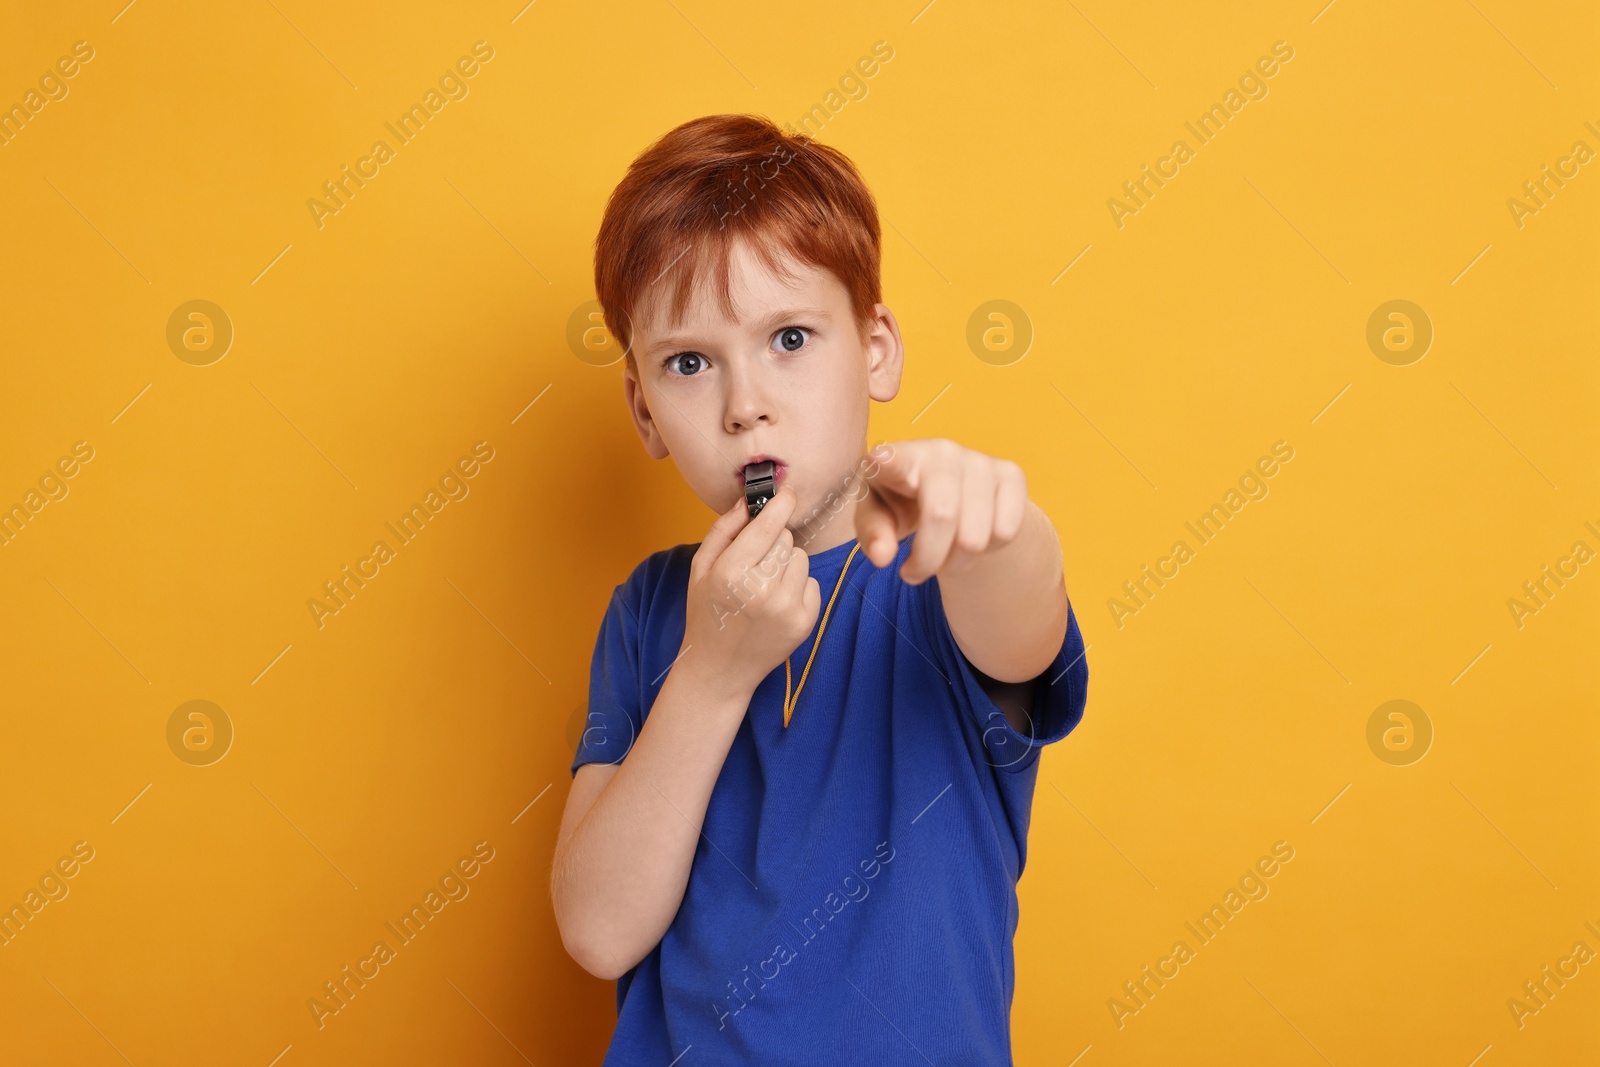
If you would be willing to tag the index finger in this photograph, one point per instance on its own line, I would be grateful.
(720, 536)
(891, 471)
(751, 544)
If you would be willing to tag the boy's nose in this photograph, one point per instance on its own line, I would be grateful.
(747, 403)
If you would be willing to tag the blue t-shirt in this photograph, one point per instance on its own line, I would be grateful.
(853, 893)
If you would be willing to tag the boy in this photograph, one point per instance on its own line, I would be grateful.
(816, 865)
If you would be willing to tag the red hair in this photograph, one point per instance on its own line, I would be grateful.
(690, 194)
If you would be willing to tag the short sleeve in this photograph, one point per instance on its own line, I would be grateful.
(613, 714)
(1060, 692)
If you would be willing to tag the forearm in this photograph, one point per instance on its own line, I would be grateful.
(621, 875)
(1008, 608)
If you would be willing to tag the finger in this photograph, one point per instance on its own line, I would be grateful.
(795, 572)
(1011, 503)
(752, 543)
(938, 509)
(896, 468)
(812, 598)
(975, 528)
(801, 587)
(778, 557)
(877, 529)
(719, 537)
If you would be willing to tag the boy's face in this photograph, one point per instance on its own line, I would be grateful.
(787, 379)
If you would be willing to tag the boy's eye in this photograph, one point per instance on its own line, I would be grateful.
(791, 338)
(692, 363)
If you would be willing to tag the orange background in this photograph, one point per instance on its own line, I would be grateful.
(438, 708)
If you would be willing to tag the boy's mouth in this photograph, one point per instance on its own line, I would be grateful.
(780, 469)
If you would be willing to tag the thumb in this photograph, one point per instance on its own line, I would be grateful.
(876, 530)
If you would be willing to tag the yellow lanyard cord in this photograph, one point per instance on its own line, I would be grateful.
(788, 677)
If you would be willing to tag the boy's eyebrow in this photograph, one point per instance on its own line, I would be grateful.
(785, 314)
(769, 321)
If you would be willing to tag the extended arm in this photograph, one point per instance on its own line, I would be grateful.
(1008, 608)
(994, 551)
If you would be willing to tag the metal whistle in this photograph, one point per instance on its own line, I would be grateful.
(759, 485)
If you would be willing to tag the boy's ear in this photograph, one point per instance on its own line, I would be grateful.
(886, 354)
(633, 392)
